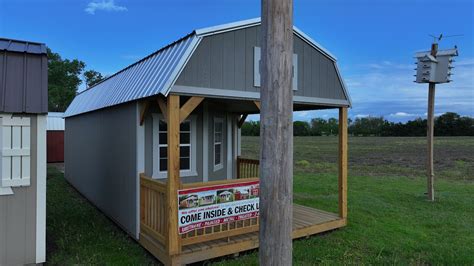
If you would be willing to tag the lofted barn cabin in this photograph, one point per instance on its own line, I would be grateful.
(166, 129)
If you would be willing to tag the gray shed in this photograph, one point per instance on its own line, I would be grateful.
(23, 109)
(117, 146)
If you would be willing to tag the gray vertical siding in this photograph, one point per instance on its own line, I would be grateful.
(226, 61)
(18, 217)
(100, 161)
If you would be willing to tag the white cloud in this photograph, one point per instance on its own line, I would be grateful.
(391, 90)
(105, 5)
(403, 114)
(361, 116)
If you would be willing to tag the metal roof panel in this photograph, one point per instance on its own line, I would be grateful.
(142, 79)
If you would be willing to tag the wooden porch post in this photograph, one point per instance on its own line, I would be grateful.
(343, 162)
(173, 183)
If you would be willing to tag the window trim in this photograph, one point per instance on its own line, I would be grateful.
(157, 174)
(219, 166)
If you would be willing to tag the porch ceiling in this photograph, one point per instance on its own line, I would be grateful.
(240, 106)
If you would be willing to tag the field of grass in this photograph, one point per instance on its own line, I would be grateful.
(390, 222)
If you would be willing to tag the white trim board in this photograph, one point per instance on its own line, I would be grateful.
(229, 146)
(246, 95)
(41, 189)
(205, 143)
(140, 164)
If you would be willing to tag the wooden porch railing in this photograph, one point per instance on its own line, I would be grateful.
(153, 211)
(153, 214)
(222, 230)
(247, 168)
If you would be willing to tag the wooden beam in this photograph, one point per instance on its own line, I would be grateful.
(242, 120)
(173, 239)
(342, 180)
(257, 103)
(276, 131)
(189, 107)
(163, 108)
(144, 110)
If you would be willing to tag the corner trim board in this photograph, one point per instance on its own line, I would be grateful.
(41, 189)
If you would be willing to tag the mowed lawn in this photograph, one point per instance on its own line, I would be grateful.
(389, 219)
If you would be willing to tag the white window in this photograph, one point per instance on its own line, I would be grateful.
(218, 143)
(187, 147)
(14, 152)
(256, 68)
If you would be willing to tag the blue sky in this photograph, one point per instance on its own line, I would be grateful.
(374, 40)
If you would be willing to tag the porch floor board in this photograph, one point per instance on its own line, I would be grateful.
(306, 221)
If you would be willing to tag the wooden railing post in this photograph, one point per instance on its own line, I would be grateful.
(343, 162)
(173, 239)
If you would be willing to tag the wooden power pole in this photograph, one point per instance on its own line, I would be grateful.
(430, 131)
(276, 168)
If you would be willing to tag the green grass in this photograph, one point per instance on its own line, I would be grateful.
(77, 233)
(390, 222)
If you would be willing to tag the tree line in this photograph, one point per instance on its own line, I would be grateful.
(448, 124)
(64, 78)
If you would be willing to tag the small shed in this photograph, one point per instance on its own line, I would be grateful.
(169, 125)
(55, 137)
(23, 109)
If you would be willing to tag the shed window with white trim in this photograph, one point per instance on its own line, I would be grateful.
(187, 147)
(256, 68)
(218, 143)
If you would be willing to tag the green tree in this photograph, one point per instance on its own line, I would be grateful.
(301, 128)
(63, 81)
(251, 128)
(92, 77)
(318, 126)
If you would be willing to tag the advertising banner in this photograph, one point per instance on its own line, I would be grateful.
(213, 205)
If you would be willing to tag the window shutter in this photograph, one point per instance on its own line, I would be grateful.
(256, 69)
(15, 151)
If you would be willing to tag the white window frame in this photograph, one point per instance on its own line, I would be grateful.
(219, 166)
(256, 68)
(157, 174)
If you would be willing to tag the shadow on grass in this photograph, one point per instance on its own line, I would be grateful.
(78, 233)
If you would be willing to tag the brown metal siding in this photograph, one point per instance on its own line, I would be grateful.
(226, 61)
(23, 82)
(55, 146)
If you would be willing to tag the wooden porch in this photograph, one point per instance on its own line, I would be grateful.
(159, 202)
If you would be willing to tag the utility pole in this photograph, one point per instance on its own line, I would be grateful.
(430, 130)
(276, 141)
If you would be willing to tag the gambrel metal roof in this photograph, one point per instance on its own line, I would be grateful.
(157, 73)
(23, 77)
